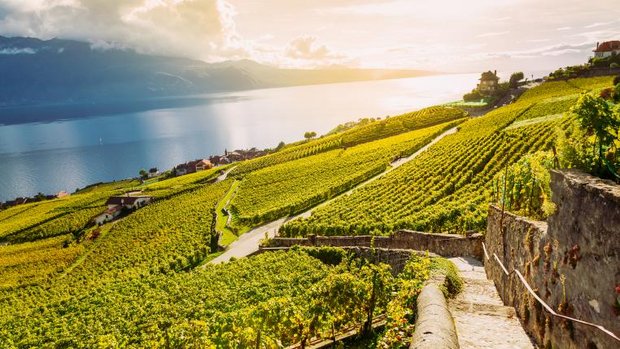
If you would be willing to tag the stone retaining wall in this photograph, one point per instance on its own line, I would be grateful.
(573, 262)
(445, 245)
(395, 258)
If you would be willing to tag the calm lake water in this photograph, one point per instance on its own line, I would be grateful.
(65, 155)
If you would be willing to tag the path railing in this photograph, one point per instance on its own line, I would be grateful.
(542, 302)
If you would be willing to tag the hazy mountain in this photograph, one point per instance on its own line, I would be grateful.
(36, 73)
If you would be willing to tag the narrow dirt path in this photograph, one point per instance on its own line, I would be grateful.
(248, 243)
(481, 318)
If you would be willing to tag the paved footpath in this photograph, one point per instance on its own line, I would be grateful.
(481, 318)
(248, 243)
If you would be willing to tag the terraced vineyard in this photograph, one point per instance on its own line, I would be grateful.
(162, 238)
(295, 186)
(35, 262)
(282, 297)
(51, 218)
(447, 187)
(133, 282)
(357, 135)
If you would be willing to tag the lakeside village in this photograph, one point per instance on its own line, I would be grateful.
(488, 94)
(134, 200)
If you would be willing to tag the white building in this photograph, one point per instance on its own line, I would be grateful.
(607, 49)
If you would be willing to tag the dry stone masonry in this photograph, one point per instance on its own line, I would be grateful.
(572, 262)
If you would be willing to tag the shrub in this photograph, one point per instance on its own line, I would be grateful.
(591, 142)
(473, 96)
(327, 255)
(524, 188)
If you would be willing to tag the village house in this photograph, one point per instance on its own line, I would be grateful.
(488, 83)
(153, 172)
(107, 216)
(199, 165)
(129, 202)
(192, 166)
(219, 160)
(607, 49)
(116, 204)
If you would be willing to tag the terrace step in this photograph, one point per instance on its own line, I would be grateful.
(481, 318)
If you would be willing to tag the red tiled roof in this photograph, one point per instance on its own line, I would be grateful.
(608, 46)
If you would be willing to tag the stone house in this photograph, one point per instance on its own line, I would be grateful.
(488, 83)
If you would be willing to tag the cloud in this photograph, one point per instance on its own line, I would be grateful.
(307, 48)
(17, 51)
(486, 35)
(547, 51)
(598, 24)
(202, 29)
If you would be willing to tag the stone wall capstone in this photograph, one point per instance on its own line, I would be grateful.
(572, 262)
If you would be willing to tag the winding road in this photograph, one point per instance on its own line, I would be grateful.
(249, 242)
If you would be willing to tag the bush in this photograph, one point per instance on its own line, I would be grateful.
(524, 187)
(515, 78)
(591, 142)
(327, 255)
(614, 65)
(473, 96)
(617, 80)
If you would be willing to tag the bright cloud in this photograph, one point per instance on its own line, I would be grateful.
(195, 28)
(448, 35)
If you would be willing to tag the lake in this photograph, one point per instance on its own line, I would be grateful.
(70, 154)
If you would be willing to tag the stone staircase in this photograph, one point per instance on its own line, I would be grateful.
(481, 318)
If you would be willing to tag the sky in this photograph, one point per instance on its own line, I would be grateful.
(448, 35)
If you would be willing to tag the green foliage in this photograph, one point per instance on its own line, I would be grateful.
(327, 255)
(401, 309)
(271, 300)
(571, 72)
(361, 133)
(453, 283)
(515, 78)
(35, 262)
(523, 187)
(309, 135)
(446, 188)
(591, 142)
(294, 186)
(473, 96)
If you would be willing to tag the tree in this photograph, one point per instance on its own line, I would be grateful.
(515, 78)
(309, 135)
(590, 143)
(280, 146)
(143, 174)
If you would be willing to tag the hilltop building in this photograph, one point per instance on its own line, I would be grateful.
(607, 49)
(488, 83)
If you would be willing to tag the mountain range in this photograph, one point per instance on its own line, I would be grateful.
(37, 77)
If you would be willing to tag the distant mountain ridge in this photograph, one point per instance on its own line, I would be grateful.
(44, 72)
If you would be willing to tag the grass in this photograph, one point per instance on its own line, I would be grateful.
(453, 283)
(221, 223)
